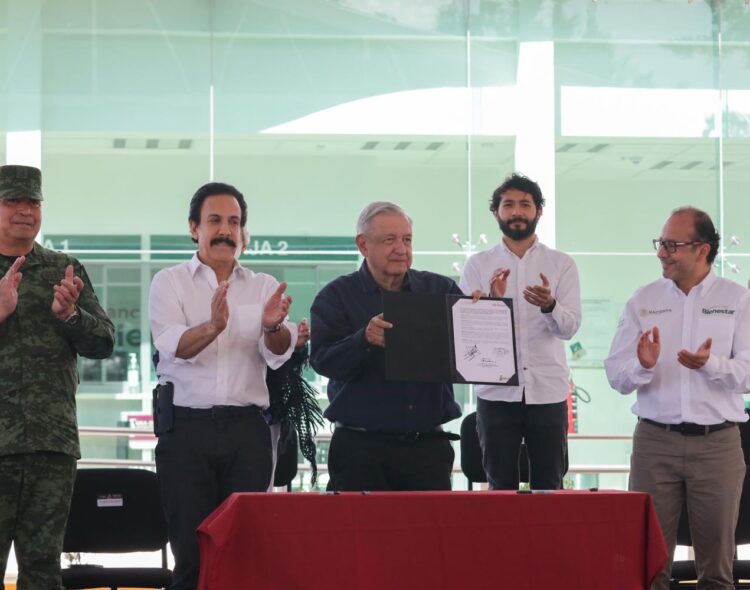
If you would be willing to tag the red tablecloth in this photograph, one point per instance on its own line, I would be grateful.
(435, 540)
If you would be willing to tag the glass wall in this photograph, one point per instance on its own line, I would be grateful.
(621, 109)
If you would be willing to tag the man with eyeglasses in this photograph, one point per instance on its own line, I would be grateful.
(683, 344)
(49, 315)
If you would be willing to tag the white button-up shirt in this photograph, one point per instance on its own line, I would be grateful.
(231, 370)
(540, 351)
(670, 393)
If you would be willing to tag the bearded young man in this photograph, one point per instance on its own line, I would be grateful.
(544, 286)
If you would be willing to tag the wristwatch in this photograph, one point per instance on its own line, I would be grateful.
(273, 330)
(74, 318)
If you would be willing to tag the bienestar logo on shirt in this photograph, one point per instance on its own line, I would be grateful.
(722, 310)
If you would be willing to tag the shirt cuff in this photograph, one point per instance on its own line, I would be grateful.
(359, 336)
(552, 318)
(167, 344)
(82, 325)
(274, 361)
(641, 375)
(711, 366)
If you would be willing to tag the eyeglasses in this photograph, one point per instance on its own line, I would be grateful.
(670, 245)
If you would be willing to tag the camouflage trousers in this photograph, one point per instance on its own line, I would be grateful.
(35, 491)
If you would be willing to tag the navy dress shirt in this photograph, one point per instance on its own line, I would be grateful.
(358, 393)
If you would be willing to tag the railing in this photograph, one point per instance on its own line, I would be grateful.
(324, 436)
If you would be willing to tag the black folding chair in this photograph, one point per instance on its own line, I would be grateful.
(286, 462)
(471, 454)
(116, 511)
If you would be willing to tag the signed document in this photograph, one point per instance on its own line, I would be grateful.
(483, 340)
(449, 339)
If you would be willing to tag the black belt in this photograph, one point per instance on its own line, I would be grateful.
(690, 429)
(216, 412)
(404, 435)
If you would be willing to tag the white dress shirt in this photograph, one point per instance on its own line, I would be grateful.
(231, 370)
(670, 393)
(540, 352)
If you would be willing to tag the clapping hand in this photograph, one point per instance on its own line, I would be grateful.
(303, 333)
(540, 295)
(66, 294)
(499, 282)
(277, 308)
(648, 348)
(9, 288)
(220, 307)
(695, 360)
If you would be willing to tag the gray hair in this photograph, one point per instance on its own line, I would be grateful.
(378, 208)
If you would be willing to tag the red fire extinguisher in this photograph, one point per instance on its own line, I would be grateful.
(572, 410)
(575, 395)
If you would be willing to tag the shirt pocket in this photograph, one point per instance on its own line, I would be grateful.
(720, 328)
(246, 325)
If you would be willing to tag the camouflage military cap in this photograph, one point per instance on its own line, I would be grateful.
(20, 182)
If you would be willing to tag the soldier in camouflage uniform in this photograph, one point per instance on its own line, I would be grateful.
(49, 314)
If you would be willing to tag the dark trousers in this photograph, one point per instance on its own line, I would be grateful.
(359, 461)
(200, 463)
(35, 492)
(502, 426)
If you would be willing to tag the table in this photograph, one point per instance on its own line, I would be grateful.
(435, 540)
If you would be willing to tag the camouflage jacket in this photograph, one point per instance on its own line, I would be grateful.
(38, 369)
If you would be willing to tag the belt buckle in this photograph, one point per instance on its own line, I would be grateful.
(682, 428)
(687, 429)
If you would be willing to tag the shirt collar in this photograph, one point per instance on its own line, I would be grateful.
(707, 281)
(370, 286)
(195, 264)
(701, 287)
(533, 246)
(35, 252)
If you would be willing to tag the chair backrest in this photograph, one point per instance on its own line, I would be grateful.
(286, 461)
(523, 464)
(683, 528)
(471, 454)
(742, 533)
(115, 510)
(745, 438)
